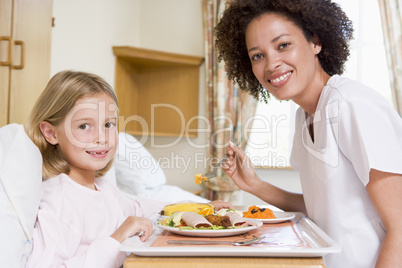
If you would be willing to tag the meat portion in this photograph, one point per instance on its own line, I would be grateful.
(219, 220)
(195, 220)
(237, 220)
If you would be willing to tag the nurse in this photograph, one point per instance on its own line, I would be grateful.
(348, 139)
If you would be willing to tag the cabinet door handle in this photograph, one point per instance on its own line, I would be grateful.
(8, 62)
(22, 63)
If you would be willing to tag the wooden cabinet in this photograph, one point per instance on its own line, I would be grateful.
(25, 40)
(157, 92)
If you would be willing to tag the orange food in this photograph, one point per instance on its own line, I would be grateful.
(206, 211)
(200, 179)
(255, 212)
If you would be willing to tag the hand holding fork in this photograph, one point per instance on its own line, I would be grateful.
(199, 178)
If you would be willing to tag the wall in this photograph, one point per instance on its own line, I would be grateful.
(173, 26)
(178, 29)
(86, 30)
(83, 36)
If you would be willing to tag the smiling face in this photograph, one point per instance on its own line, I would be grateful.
(88, 137)
(283, 60)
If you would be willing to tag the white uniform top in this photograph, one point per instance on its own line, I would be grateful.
(355, 130)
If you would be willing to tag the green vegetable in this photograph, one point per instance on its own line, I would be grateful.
(185, 228)
(214, 227)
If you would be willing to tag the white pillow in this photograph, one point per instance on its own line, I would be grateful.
(137, 172)
(20, 183)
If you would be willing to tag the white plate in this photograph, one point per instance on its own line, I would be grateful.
(211, 233)
(280, 217)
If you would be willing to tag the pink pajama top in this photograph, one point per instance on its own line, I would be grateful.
(74, 224)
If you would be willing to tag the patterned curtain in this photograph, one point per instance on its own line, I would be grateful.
(229, 109)
(391, 17)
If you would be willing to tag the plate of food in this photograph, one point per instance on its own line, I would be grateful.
(266, 215)
(210, 233)
(191, 223)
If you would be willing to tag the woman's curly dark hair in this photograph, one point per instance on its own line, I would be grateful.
(315, 17)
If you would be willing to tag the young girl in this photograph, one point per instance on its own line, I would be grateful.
(82, 218)
(347, 144)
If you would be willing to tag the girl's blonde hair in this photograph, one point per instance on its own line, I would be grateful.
(53, 105)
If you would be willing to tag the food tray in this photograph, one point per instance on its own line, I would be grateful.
(305, 239)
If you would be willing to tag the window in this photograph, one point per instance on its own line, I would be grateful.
(271, 138)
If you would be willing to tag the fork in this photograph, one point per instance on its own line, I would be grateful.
(139, 234)
(215, 169)
(210, 242)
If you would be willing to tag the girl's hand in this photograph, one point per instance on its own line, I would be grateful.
(239, 167)
(131, 226)
(219, 204)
